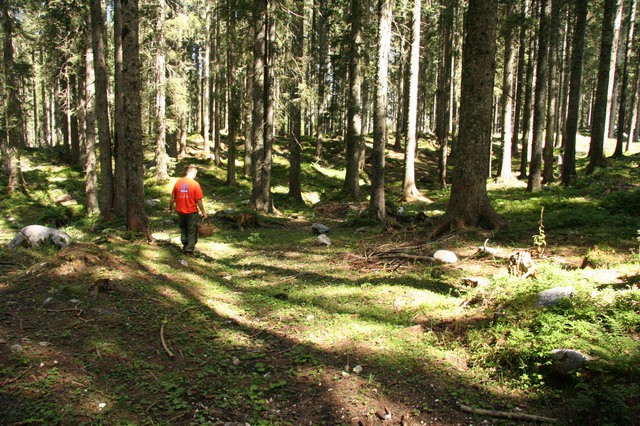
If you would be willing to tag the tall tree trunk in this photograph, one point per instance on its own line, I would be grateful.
(519, 79)
(403, 75)
(443, 94)
(102, 110)
(573, 108)
(234, 98)
(90, 166)
(246, 170)
(137, 220)
(540, 104)
(469, 204)
(527, 109)
(161, 157)
(120, 183)
(599, 115)
(218, 96)
(13, 111)
(257, 133)
(206, 86)
(635, 94)
(380, 131)
(409, 190)
(506, 100)
(551, 127)
(614, 71)
(627, 28)
(354, 103)
(74, 131)
(295, 106)
(323, 49)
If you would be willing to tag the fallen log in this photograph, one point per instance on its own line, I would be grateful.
(507, 414)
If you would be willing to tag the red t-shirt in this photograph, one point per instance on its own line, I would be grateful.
(187, 191)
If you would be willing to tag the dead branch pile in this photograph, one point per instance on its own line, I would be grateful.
(388, 257)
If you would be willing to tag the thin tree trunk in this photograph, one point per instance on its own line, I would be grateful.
(161, 157)
(443, 94)
(323, 47)
(627, 28)
(528, 106)
(506, 100)
(540, 104)
(90, 168)
(519, 80)
(614, 71)
(409, 190)
(551, 127)
(206, 85)
(380, 134)
(295, 106)
(259, 101)
(598, 125)
(102, 110)
(246, 171)
(14, 115)
(120, 185)
(354, 103)
(74, 131)
(573, 108)
(234, 99)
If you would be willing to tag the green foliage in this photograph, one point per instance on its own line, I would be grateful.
(623, 202)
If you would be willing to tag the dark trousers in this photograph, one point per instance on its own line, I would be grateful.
(188, 230)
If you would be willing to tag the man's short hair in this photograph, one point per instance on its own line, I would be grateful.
(191, 167)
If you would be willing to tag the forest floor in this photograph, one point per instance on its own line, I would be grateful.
(266, 326)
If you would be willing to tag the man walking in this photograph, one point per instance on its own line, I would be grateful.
(187, 198)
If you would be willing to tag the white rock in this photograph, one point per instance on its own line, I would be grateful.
(319, 228)
(34, 235)
(183, 262)
(15, 348)
(357, 369)
(445, 256)
(323, 240)
(47, 300)
(74, 301)
(44, 344)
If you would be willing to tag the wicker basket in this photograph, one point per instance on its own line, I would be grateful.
(205, 229)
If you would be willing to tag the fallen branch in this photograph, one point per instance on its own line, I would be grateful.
(405, 256)
(164, 344)
(507, 414)
(6, 382)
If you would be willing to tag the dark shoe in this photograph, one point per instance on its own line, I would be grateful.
(189, 253)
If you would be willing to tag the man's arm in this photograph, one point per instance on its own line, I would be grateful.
(201, 206)
(172, 203)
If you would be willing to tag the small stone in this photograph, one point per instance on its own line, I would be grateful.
(323, 240)
(319, 228)
(357, 369)
(554, 295)
(362, 229)
(183, 262)
(445, 256)
(102, 405)
(236, 361)
(15, 348)
(47, 300)
(44, 344)
(153, 202)
(568, 360)
(74, 301)
(12, 302)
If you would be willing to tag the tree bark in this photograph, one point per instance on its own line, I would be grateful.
(233, 109)
(409, 190)
(102, 110)
(551, 127)
(443, 94)
(506, 100)
(90, 166)
(573, 109)
(527, 109)
(628, 30)
(519, 79)
(380, 131)
(599, 115)
(13, 115)
(354, 103)
(206, 86)
(469, 204)
(120, 184)
(295, 106)
(162, 174)
(540, 104)
(137, 220)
